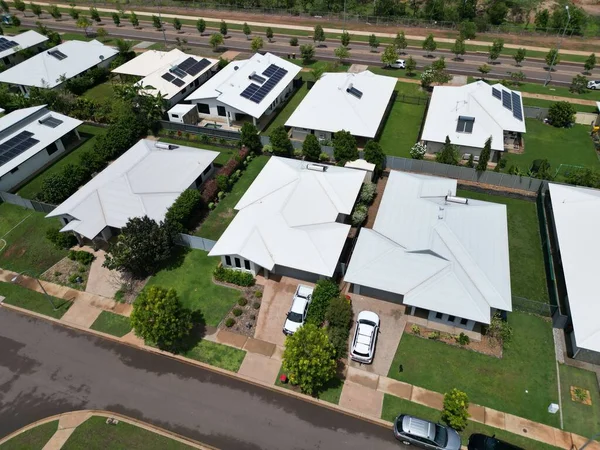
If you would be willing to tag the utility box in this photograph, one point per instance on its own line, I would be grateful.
(553, 408)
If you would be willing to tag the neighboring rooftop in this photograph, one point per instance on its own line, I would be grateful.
(576, 214)
(68, 59)
(23, 41)
(441, 254)
(145, 180)
(249, 85)
(470, 114)
(25, 132)
(355, 102)
(289, 216)
(148, 62)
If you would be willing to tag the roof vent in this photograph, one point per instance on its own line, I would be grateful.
(316, 167)
(461, 200)
(235, 67)
(164, 146)
(102, 57)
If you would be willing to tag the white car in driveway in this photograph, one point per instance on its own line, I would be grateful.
(297, 313)
(398, 64)
(365, 337)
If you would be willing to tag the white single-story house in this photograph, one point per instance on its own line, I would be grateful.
(354, 102)
(11, 47)
(444, 256)
(51, 68)
(246, 90)
(174, 74)
(471, 114)
(144, 181)
(292, 220)
(31, 139)
(575, 221)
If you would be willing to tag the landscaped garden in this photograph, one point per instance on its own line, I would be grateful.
(34, 438)
(580, 400)
(72, 271)
(331, 392)
(111, 323)
(34, 301)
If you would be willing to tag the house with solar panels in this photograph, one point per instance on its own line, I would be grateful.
(51, 68)
(470, 114)
(13, 48)
(246, 90)
(31, 139)
(173, 74)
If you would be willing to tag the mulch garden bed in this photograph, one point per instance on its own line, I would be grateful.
(69, 273)
(243, 315)
(580, 395)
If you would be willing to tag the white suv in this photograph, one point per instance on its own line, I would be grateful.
(365, 337)
(297, 314)
(594, 84)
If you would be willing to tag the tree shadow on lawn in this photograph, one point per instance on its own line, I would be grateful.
(196, 335)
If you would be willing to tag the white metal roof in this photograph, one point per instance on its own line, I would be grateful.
(25, 41)
(28, 119)
(576, 214)
(288, 217)
(181, 108)
(329, 107)
(472, 100)
(45, 71)
(145, 180)
(442, 256)
(360, 164)
(227, 85)
(148, 62)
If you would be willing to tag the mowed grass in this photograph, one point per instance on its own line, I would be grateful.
(111, 323)
(220, 218)
(559, 91)
(393, 406)
(225, 153)
(192, 279)
(548, 103)
(522, 382)
(103, 91)
(95, 434)
(26, 248)
(33, 301)
(219, 355)
(578, 417)
(88, 134)
(284, 114)
(527, 272)
(32, 439)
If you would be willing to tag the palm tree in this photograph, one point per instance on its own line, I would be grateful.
(124, 47)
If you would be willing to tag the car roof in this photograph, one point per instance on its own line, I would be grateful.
(418, 427)
(368, 315)
(304, 291)
(298, 305)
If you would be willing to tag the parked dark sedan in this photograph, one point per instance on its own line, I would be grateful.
(482, 442)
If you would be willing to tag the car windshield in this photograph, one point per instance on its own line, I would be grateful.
(441, 436)
(492, 444)
(295, 317)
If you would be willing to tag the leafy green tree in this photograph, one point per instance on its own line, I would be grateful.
(339, 321)
(484, 69)
(269, 34)
(84, 23)
(456, 409)
(429, 44)
(311, 149)
(541, 20)
(584, 177)
(95, 15)
(124, 47)
(389, 55)
(344, 147)
(201, 26)
(20, 6)
(497, 13)
(116, 19)
(159, 318)
(142, 247)
(495, 49)
(400, 42)
(216, 40)
(249, 138)
(484, 157)
(246, 30)
(36, 9)
(590, 63)
(256, 44)
(411, 66)
(373, 42)
(552, 58)
(373, 153)
(318, 35)
(307, 51)
(133, 18)
(578, 84)
(55, 12)
(280, 142)
(324, 291)
(181, 213)
(439, 64)
(342, 53)
(517, 78)
(156, 22)
(294, 41)
(74, 13)
(345, 38)
(15, 21)
(223, 28)
(56, 188)
(448, 154)
(519, 56)
(177, 24)
(468, 30)
(309, 358)
(561, 114)
(4, 6)
(101, 33)
(459, 48)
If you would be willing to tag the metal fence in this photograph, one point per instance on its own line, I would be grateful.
(194, 129)
(200, 243)
(412, 99)
(26, 203)
(532, 307)
(535, 112)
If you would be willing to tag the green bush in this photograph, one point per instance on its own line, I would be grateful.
(223, 182)
(229, 322)
(181, 212)
(237, 312)
(236, 277)
(561, 114)
(456, 409)
(293, 41)
(339, 316)
(256, 305)
(367, 193)
(258, 294)
(73, 278)
(463, 339)
(416, 329)
(242, 301)
(81, 256)
(322, 295)
(60, 240)
(359, 215)
(435, 335)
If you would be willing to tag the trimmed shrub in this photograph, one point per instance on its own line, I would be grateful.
(294, 41)
(323, 157)
(339, 316)
(435, 335)
(223, 182)
(258, 294)
(359, 215)
(229, 322)
(60, 240)
(322, 295)
(256, 305)
(209, 191)
(237, 312)
(236, 277)
(463, 339)
(181, 212)
(456, 409)
(81, 256)
(416, 329)
(242, 301)
(367, 193)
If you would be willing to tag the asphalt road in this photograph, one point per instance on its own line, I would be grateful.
(534, 69)
(47, 369)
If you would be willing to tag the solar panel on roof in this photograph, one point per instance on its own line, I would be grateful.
(177, 82)
(198, 67)
(257, 93)
(185, 65)
(51, 122)
(177, 71)
(506, 100)
(5, 44)
(270, 70)
(16, 145)
(57, 54)
(496, 93)
(168, 76)
(516, 105)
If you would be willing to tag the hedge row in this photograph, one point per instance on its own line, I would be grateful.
(210, 189)
(236, 277)
(181, 213)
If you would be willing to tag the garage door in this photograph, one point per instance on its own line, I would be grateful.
(295, 273)
(381, 295)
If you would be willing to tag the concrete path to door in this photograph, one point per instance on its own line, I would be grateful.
(102, 281)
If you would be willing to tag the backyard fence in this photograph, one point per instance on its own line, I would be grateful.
(194, 129)
(199, 243)
(533, 307)
(412, 99)
(535, 112)
(26, 203)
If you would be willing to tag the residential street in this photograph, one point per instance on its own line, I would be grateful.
(47, 369)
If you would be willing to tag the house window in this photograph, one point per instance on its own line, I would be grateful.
(15, 169)
(238, 263)
(175, 116)
(6, 61)
(221, 111)
(52, 148)
(203, 108)
(205, 171)
(228, 260)
(246, 264)
(451, 318)
(463, 321)
(465, 124)
(438, 315)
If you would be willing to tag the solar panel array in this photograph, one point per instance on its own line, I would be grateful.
(16, 145)
(5, 44)
(177, 82)
(506, 100)
(188, 67)
(496, 93)
(516, 106)
(178, 72)
(168, 77)
(51, 122)
(256, 93)
(57, 54)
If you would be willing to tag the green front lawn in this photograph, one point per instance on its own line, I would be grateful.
(578, 417)
(34, 301)
(95, 434)
(111, 323)
(225, 153)
(23, 243)
(548, 103)
(522, 382)
(559, 91)
(393, 406)
(192, 279)
(284, 114)
(88, 134)
(34, 438)
(220, 218)
(527, 272)
(218, 355)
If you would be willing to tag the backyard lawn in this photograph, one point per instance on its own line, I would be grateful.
(522, 382)
(219, 218)
(102, 91)
(218, 355)
(33, 301)
(88, 134)
(578, 417)
(225, 153)
(284, 114)
(111, 323)
(527, 272)
(23, 243)
(192, 280)
(35, 438)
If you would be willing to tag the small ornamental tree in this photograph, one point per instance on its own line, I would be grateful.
(484, 157)
(311, 149)
(177, 24)
(20, 6)
(55, 12)
(246, 30)
(400, 42)
(156, 22)
(468, 30)
(345, 38)
(389, 55)
(578, 84)
(280, 142)
(456, 409)
(552, 57)
(411, 66)
(561, 114)
(73, 13)
(4, 6)
(216, 40)
(36, 9)
(448, 154)
(116, 19)
(201, 26)
(373, 153)
(459, 48)
(484, 69)
(590, 63)
(309, 358)
(307, 52)
(256, 44)
(373, 42)
(342, 53)
(223, 28)
(318, 35)
(495, 49)
(250, 138)
(133, 18)
(159, 318)
(429, 44)
(519, 56)
(418, 151)
(95, 15)
(471, 161)
(269, 34)
(344, 147)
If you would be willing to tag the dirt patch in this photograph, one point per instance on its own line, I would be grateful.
(374, 207)
(130, 289)
(246, 307)
(68, 273)
(580, 395)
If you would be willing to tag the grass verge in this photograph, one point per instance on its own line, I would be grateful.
(578, 417)
(32, 439)
(33, 301)
(218, 355)
(331, 392)
(111, 323)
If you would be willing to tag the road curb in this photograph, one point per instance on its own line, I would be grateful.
(191, 362)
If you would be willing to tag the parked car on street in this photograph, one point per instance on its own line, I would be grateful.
(297, 314)
(365, 337)
(425, 434)
(479, 441)
(593, 84)
(399, 64)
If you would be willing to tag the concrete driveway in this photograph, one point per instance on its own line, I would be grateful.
(392, 324)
